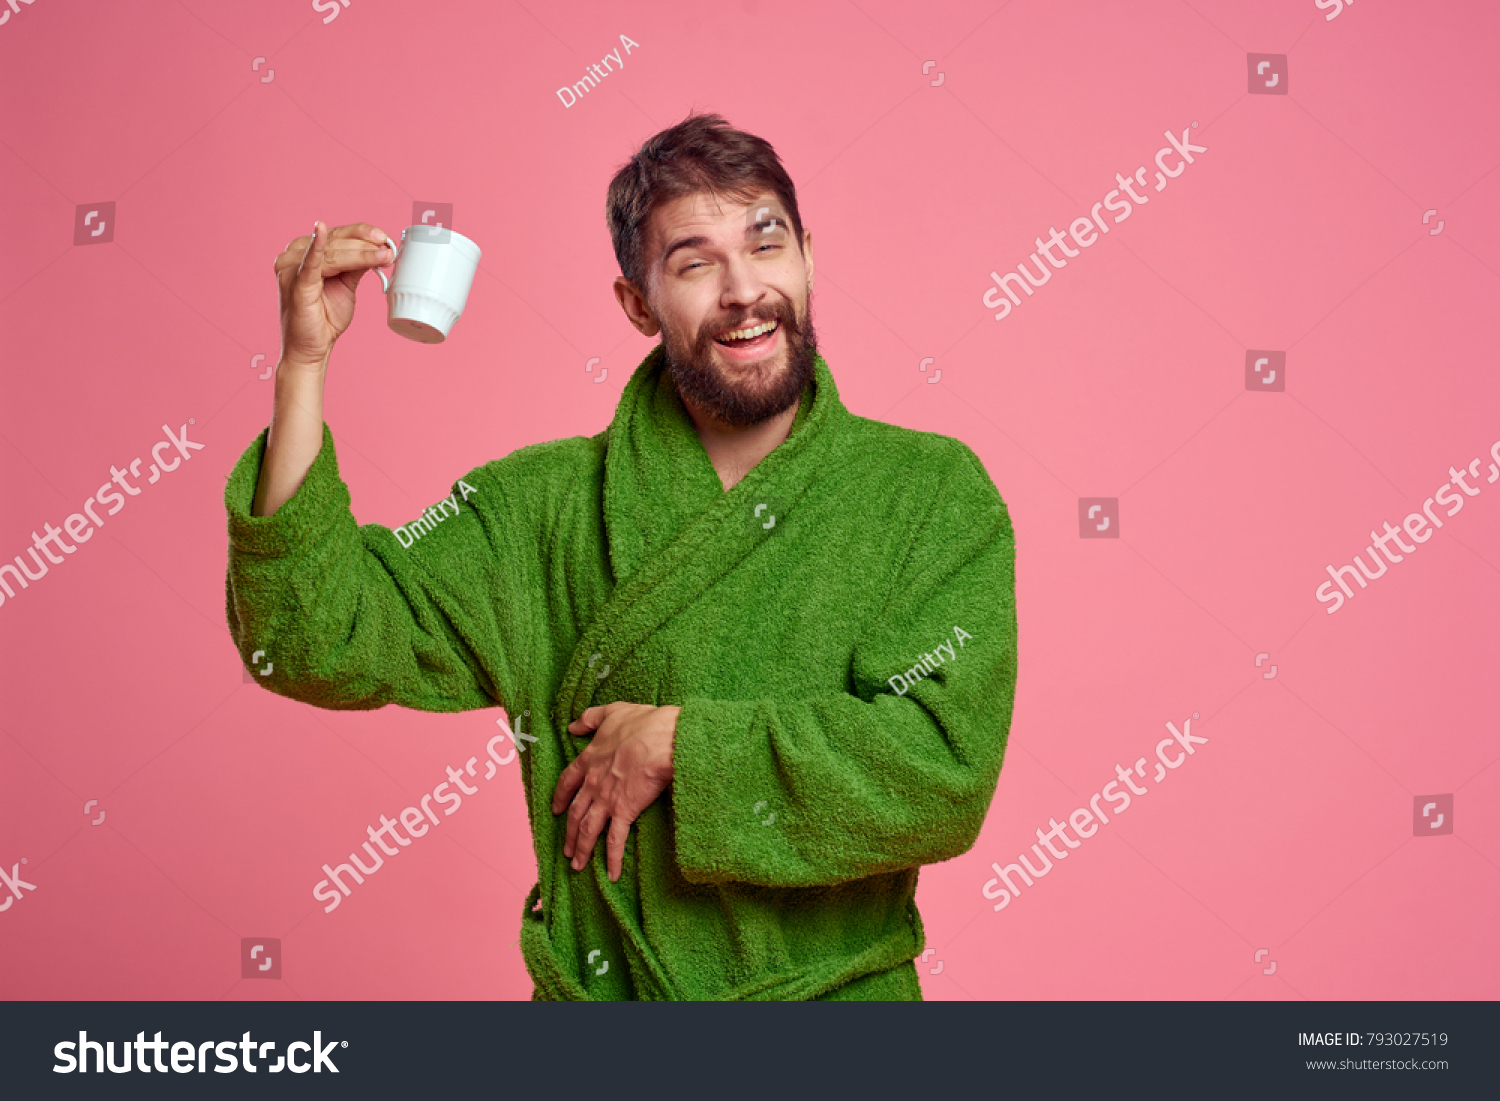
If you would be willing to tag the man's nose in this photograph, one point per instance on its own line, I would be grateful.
(743, 286)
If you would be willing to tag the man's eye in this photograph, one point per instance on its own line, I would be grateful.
(767, 246)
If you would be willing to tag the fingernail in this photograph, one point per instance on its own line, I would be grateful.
(379, 235)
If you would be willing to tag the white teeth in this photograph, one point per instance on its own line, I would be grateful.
(746, 334)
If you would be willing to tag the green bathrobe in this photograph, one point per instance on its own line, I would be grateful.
(839, 630)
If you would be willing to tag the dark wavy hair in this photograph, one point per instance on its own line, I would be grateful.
(701, 153)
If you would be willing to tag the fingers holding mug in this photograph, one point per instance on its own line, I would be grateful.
(392, 249)
(348, 248)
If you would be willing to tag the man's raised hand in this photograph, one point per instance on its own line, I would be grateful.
(316, 275)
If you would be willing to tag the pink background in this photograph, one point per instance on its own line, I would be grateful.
(1299, 230)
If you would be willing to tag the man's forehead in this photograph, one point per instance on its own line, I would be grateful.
(701, 211)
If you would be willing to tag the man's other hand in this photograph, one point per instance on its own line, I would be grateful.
(617, 776)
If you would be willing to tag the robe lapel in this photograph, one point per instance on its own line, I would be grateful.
(672, 532)
(672, 529)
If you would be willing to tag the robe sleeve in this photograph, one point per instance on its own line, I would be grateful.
(347, 617)
(896, 773)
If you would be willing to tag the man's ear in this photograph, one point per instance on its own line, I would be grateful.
(636, 309)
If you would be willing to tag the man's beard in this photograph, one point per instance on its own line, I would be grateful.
(701, 380)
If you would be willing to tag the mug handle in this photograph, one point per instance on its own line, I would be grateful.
(396, 246)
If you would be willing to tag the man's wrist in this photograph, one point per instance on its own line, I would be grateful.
(672, 739)
(302, 366)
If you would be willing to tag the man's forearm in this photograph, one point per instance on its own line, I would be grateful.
(295, 438)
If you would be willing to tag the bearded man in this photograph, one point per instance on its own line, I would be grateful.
(769, 643)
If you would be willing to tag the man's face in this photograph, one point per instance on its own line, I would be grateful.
(715, 267)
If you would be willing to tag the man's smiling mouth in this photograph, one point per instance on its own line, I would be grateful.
(748, 336)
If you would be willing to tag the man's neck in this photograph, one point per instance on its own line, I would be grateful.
(735, 451)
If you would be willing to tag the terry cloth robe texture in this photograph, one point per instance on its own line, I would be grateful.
(838, 628)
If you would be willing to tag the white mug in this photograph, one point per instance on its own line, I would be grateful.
(434, 268)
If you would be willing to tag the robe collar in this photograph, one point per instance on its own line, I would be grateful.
(657, 474)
